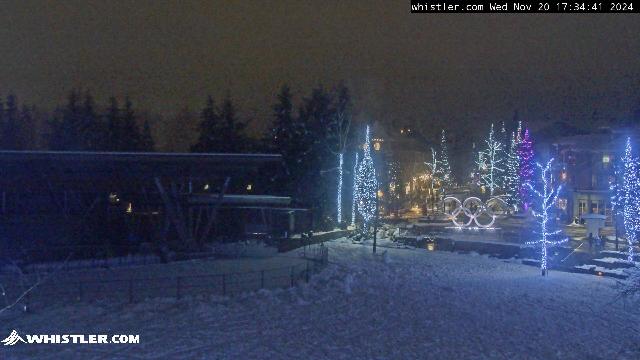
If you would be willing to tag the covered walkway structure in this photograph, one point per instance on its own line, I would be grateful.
(98, 203)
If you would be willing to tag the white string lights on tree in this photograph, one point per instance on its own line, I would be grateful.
(367, 184)
(490, 163)
(512, 175)
(445, 166)
(630, 198)
(339, 199)
(547, 197)
(355, 191)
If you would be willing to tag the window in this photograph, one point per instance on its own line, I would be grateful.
(376, 146)
(582, 207)
(606, 159)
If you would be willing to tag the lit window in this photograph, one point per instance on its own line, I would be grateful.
(249, 187)
(606, 159)
(563, 175)
(380, 193)
(376, 146)
(113, 198)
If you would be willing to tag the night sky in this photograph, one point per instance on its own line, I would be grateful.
(401, 67)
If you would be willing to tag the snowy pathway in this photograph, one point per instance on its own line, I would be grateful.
(418, 305)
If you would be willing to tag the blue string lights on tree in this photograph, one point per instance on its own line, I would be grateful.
(367, 185)
(525, 154)
(547, 197)
(630, 194)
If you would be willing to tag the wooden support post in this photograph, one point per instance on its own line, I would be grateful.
(172, 212)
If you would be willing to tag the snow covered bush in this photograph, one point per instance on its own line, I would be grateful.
(630, 287)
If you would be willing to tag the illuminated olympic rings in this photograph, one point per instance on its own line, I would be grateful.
(480, 208)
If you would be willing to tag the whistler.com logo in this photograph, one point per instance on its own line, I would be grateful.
(15, 338)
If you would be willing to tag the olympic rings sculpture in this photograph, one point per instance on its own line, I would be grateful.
(478, 207)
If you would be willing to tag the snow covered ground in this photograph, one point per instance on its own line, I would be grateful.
(407, 304)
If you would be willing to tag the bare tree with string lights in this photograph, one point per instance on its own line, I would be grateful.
(546, 195)
(490, 163)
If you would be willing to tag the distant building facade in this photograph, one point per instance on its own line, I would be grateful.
(585, 167)
(400, 155)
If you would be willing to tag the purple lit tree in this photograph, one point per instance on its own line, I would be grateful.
(525, 154)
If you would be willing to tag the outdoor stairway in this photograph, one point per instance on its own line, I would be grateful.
(608, 263)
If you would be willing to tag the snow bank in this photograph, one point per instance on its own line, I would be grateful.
(413, 305)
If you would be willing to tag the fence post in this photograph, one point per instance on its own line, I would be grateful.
(224, 285)
(292, 270)
(130, 290)
(262, 279)
(178, 284)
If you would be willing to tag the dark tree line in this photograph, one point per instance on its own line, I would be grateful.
(220, 130)
(310, 134)
(16, 123)
(310, 140)
(79, 126)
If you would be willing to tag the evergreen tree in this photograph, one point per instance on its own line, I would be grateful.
(27, 133)
(2, 124)
(66, 126)
(146, 141)
(512, 175)
(525, 154)
(11, 125)
(354, 204)
(90, 126)
(179, 132)
(114, 134)
(288, 139)
(630, 198)
(503, 154)
(131, 136)
(445, 166)
(209, 128)
(318, 187)
(284, 131)
(220, 130)
(367, 184)
(232, 130)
